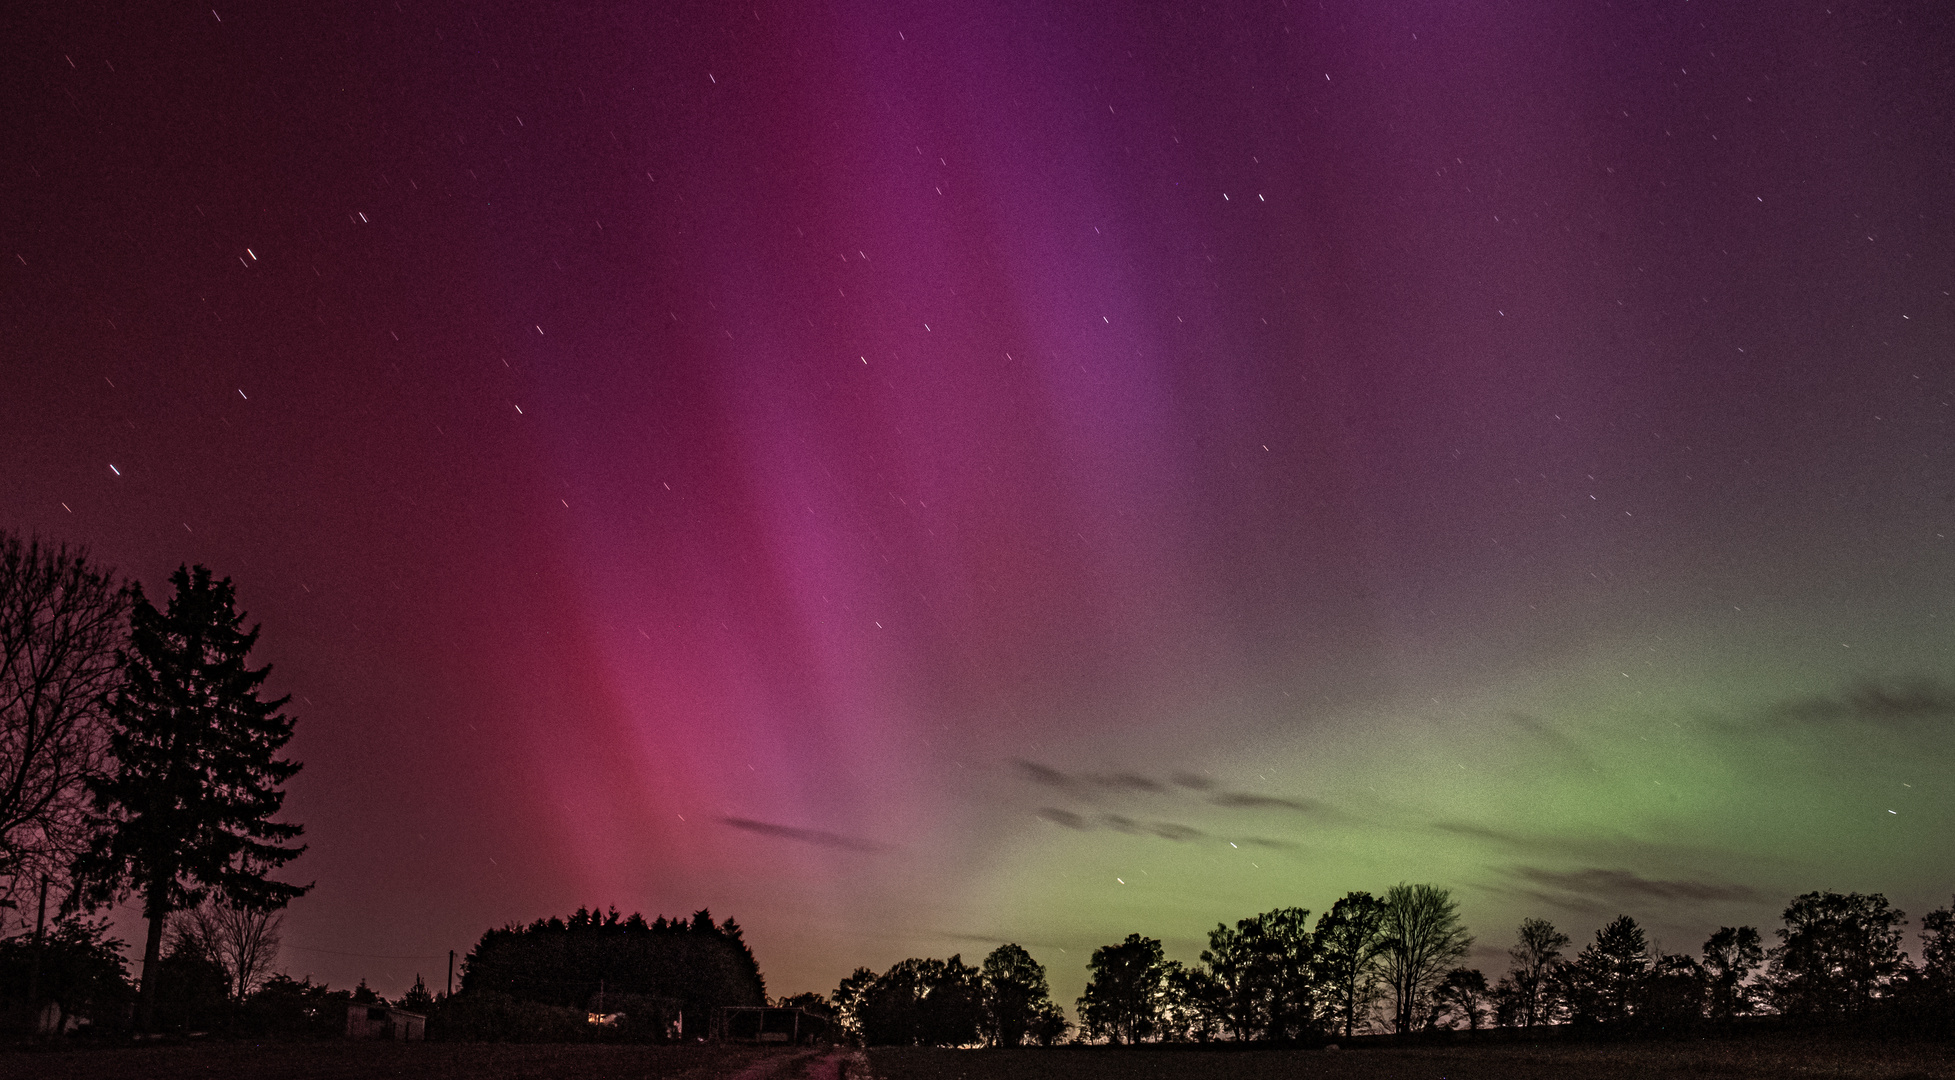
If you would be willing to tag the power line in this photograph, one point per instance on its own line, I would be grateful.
(363, 955)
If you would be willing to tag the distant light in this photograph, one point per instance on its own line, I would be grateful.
(115, 470)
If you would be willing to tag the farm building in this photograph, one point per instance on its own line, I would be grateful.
(756, 1024)
(385, 1022)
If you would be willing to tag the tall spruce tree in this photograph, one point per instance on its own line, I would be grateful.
(186, 811)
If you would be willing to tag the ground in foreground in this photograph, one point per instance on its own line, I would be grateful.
(387, 1061)
(1725, 1059)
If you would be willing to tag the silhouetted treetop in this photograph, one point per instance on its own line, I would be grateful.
(691, 965)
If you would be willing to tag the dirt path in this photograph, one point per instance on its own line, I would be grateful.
(832, 1063)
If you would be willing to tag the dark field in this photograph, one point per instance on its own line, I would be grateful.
(1723, 1059)
(1742, 1059)
(416, 1061)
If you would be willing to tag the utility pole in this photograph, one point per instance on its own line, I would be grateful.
(451, 973)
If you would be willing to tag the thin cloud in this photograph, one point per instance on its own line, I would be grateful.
(1479, 832)
(1087, 786)
(1243, 800)
(1121, 823)
(1918, 703)
(1551, 737)
(1168, 830)
(802, 836)
(1606, 849)
(1042, 774)
(1064, 817)
(1624, 884)
(1124, 781)
(1047, 776)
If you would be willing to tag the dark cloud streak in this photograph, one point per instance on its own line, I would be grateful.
(1624, 884)
(802, 836)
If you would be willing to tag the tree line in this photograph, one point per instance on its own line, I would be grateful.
(1392, 964)
(139, 758)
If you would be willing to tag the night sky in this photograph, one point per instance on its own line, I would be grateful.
(911, 476)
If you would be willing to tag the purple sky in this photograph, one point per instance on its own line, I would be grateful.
(718, 455)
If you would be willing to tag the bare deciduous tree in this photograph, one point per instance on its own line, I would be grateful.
(242, 941)
(1422, 939)
(1528, 990)
(60, 622)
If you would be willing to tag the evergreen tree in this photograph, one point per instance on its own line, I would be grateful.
(676, 965)
(417, 999)
(186, 811)
(1604, 983)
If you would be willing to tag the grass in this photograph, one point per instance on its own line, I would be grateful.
(1781, 1058)
(1727, 1059)
(379, 1061)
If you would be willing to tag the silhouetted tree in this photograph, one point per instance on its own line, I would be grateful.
(1932, 987)
(1228, 965)
(1125, 990)
(295, 1008)
(1730, 957)
(242, 941)
(1422, 939)
(1938, 947)
(1938, 944)
(1050, 1027)
(809, 1002)
(846, 998)
(1672, 995)
(1462, 996)
(1602, 983)
(367, 995)
(1839, 954)
(1264, 969)
(60, 623)
(80, 969)
(1284, 971)
(1528, 994)
(1197, 1006)
(1347, 941)
(1015, 994)
(192, 990)
(922, 1002)
(417, 999)
(674, 966)
(187, 808)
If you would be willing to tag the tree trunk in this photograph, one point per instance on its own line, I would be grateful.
(152, 959)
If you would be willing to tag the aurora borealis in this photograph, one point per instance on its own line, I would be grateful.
(916, 476)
